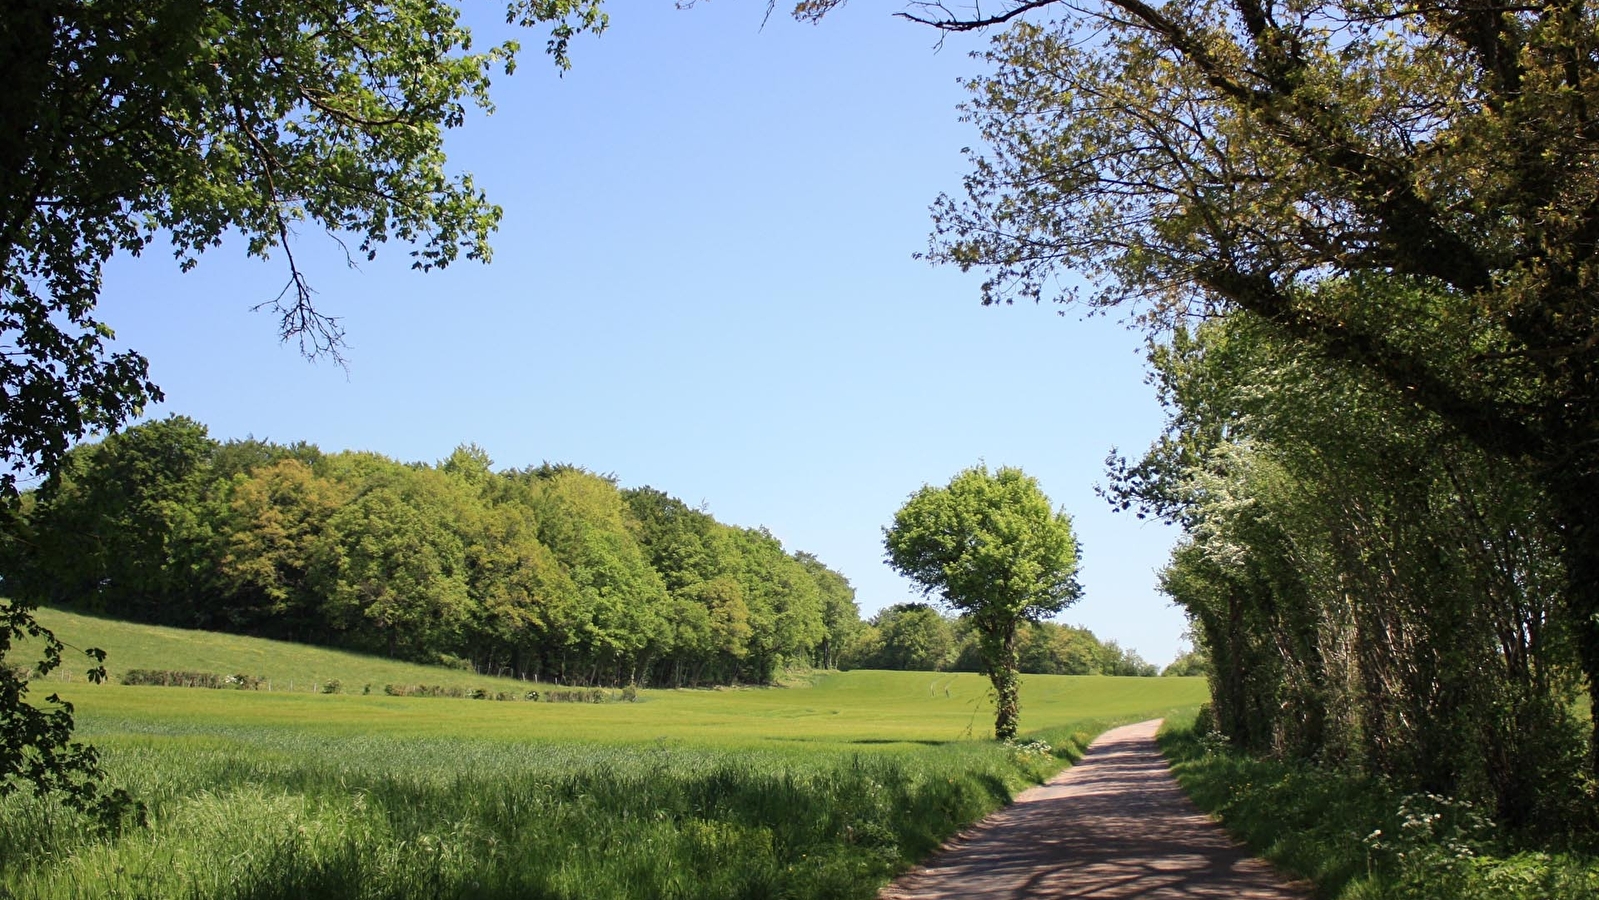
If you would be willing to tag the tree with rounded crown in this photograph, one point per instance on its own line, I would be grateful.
(993, 549)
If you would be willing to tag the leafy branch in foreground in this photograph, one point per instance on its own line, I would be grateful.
(129, 123)
(35, 743)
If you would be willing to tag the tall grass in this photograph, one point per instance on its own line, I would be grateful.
(1359, 838)
(816, 791)
(252, 813)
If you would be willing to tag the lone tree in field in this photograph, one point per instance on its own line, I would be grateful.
(991, 547)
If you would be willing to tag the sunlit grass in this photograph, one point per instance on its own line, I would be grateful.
(285, 667)
(821, 790)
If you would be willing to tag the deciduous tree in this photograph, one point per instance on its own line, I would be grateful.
(990, 546)
(1381, 180)
(129, 123)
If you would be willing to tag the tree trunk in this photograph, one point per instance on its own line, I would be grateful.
(1002, 672)
(1576, 499)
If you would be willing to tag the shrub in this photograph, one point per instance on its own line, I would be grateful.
(18, 671)
(178, 678)
(427, 690)
(577, 695)
(1358, 836)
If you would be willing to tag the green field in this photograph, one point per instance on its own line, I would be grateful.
(824, 789)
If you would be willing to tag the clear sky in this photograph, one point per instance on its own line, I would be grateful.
(704, 282)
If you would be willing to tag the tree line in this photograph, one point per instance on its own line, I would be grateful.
(549, 572)
(917, 637)
(1363, 241)
(1375, 592)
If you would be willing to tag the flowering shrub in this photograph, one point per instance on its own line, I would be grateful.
(1031, 751)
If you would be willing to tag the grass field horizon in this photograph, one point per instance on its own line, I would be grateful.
(825, 789)
(864, 707)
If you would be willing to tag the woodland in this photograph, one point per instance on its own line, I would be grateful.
(551, 572)
(918, 637)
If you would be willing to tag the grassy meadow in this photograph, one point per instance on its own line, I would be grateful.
(821, 789)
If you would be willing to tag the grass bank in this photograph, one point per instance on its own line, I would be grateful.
(1357, 838)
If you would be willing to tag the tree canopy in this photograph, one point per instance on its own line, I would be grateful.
(1406, 187)
(916, 636)
(552, 572)
(130, 123)
(1370, 590)
(990, 546)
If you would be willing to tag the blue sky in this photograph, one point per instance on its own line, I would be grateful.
(704, 282)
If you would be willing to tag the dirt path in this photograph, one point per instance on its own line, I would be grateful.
(1115, 826)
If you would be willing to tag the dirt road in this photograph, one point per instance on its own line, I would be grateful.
(1115, 826)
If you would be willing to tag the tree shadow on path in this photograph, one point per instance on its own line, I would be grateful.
(1115, 826)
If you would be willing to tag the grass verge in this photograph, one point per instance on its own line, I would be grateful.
(1357, 838)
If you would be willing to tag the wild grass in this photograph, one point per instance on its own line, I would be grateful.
(818, 791)
(1358, 838)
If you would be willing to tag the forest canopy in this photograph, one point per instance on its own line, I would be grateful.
(551, 571)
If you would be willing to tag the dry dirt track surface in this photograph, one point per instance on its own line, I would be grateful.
(1114, 827)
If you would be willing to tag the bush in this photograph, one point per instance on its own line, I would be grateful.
(177, 678)
(577, 695)
(18, 671)
(423, 690)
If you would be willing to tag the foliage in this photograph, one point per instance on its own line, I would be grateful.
(183, 678)
(1406, 189)
(129, 123)
(1359, 838)
(551, 573)
(1373, 592)
(119, 528)
(906, 636)
(900, 636)
(990, 546)
(36, 746)
(1188, 664)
